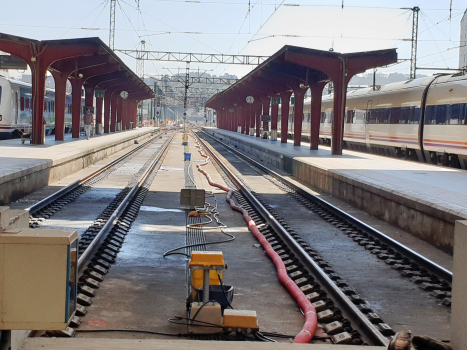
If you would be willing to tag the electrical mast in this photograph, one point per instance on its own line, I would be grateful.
(185, 100)
(413, 53)
(112, 24)
(140, 60)
(140, 74)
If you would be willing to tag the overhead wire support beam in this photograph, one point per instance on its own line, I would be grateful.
(193, 90)
(196, 80)
(195, 57)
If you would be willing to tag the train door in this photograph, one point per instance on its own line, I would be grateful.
(367, 122)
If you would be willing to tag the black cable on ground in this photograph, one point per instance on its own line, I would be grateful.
(223, 290)
(131, 331)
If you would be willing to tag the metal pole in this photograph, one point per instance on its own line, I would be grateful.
(413, 52)
(112, 24)
(374, 79)
(206, 286)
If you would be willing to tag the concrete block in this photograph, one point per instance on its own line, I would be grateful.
(459, 288)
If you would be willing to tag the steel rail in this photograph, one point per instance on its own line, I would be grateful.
(342, 301)
(87, 255)
(397, 246)
(54, 196)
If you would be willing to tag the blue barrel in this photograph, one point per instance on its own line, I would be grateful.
(185, 143)
(187, 156)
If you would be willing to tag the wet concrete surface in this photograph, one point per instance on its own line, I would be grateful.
(398, 301)
(144, 289)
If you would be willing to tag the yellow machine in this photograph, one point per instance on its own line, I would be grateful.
(204, 264)
(206, 270)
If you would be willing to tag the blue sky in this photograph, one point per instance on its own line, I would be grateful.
(232, 26)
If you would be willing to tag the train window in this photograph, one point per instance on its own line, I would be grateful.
(415, 114)
(45, 106)
(395, 115)
(405, 115)
(371, 116)
(349, 116)
(462, 113)
(21, 103)
(323, 117)
(440, 112)
(27, 104)
(430, 115)
(452, 112)
(0, 95)
(382, 116)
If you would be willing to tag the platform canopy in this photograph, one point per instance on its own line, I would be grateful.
(294, 70)
(85, 62)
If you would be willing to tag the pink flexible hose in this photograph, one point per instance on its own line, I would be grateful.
(311, 322)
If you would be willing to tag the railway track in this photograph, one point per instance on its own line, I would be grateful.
(343, 307)
(101, 242)
(48, 206)
(429, 275)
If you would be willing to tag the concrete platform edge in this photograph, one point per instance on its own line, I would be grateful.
(20, 183)
(162, 344)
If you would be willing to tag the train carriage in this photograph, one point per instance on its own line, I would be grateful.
(420, 119)
(16, 109)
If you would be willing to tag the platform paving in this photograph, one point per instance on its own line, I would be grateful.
(27, 168)
(420, 198)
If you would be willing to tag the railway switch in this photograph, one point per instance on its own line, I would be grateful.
(31, 297)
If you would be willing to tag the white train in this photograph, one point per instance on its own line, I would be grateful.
(422, 119)
(16, 109)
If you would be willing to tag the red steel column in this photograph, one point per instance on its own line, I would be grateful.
(266, 103)
(113, 111)
(298, 115)
(258, 110)
(251, 111)
(120, 112)
(76, 86)
(124, 114)
(340, 87)
(107, 112)
(135, 114)
(274, 117)
(60, 104)
(285, 105)
(38, 94)
(316, 96)
(99, 103)
(243, 119)
(246, 118)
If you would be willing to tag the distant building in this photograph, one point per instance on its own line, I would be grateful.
(463, 43)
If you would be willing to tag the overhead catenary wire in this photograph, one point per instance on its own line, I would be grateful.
(87, 16)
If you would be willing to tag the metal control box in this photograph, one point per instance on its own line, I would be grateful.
(38, 284)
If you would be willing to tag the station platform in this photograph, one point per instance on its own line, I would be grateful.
(162, 344)
(420, 198)
(27, 168)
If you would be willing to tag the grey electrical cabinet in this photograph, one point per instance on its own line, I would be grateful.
(38, 287)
